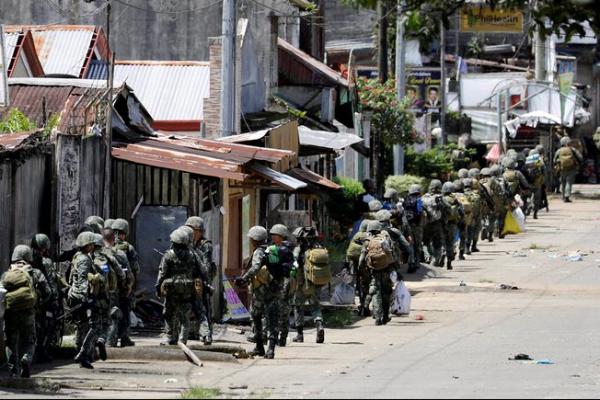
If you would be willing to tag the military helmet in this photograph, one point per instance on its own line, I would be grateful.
(486, 172)
(40, 241)
(98, 240)
(363, 225)
(414, 189)
(533, 152)
(463, 173)
(511, 153)
(375, 205)
(565, 141)
(468, 183)
(279, 230)
(540, 148)
(474, 173)
(94, 219)
(383, 215)
(435, 184)
(258, 233)
(93, 227)
(121, 225)
(448, 188)
(190, 232)
(495, 170)
(374, 226)
(390, 193)
(180, 236)
(108, 223)
(195, 223)
(84, 239)
(510, 163)
(459, 186)
(22, 253)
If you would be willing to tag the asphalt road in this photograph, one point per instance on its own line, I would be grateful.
(461, 348)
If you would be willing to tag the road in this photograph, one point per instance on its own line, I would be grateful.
(461, 348)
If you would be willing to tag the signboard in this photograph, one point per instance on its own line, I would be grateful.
(423, 89)
(567, 67)
(236, 311)
(4, 99)
(486, 19)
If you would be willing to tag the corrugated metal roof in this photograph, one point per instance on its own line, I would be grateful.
(10, 44)
(326, 139)
(284, 180)
(10, 141)
(169, 90)
(62, 51)
(312, 177)
(98, 69)
(245, 137)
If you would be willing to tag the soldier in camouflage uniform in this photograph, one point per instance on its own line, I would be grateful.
(307, 295)
(20, 323)
(49, 328)
(413, 209)
(488, 211)
(204, 249)
(94, 223)
(121, 228)
(475, 175)
(433, 232)
(279, 234)
(380, 288)
(87, 289)
(475, 224)
(452, 214)
(401, 245)
(466, 220)
(363, 275)
(178, 270)
(266, 292)
(500, 196)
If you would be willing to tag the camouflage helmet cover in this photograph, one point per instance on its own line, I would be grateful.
(121, 225)
(40, 241)
(279, 230)
(258, 233)
(195, 223)
(374, 226)
(22, 253)
(375, 205)
(447, 188)
(180, 236)
(84, 239)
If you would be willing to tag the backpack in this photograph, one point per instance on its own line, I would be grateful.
(316, 266)
(356, 246)
(431, 205)
(467, 206)
(475, 200)
(566, 159)
(512, 180)
(379, 253)
(179, 285)
(20, 294)
(454, 214)
(280, 260)
(413, 208)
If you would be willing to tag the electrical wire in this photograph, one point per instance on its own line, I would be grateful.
(169, 12)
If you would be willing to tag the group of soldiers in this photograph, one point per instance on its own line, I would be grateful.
(96, 292)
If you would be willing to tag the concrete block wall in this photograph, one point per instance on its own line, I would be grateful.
(212, 105)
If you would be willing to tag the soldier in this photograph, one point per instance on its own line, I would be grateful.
(500, 195)
(26, 289)
(452, 215)
(390, 199)
(400, 245)
(309, 255)
(414, 211)
(567, 162)
(474, 227)
(363, 275)
(95, 223)
(204, 249)
(85, 290)
(177, 272)
(475, 176)
(516, 183)
(377, 255)
(374, 206)
(537, 175)
(466, 220)
(544, 200)
(266, 291)
(121, 228)
(48, 328)
(487, 186)
(433, 232)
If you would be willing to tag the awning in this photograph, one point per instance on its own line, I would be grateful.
(531, 119)
(326, 139)
(286, 181)
(314, 178)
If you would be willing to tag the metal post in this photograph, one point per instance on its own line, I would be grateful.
(400, 80)
(106, 210)
(443, 82)
(382, 59)
(500, 130)
(228, 68)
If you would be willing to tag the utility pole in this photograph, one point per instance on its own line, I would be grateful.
(108, 127)
(382, 60)
(228, 51)
(539, 53)
(443, 82)
(400, 80)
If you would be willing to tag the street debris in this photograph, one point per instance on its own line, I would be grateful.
(171, 380)
(544, 361)
(238, 387)
(575, 256)
(462, 283)
(519, 254)
(189, 354)
(507, 287)
(419, 317)
(521, 357)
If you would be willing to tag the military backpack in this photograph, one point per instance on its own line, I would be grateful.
(566, 159)
(316, 266)
(356, 245)
(20, 289)
(512, 181)
(468, 206)
(379, 253)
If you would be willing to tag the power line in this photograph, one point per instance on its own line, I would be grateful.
(168, 12)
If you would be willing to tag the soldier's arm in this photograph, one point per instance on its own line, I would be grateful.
(523, 181)
(134, 264)
(162, 270)
(258, 260)
(363, 255)
(43, 288)
(578, 155)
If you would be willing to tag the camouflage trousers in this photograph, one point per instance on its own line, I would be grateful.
(537, 198)
(20, 338)
(116, 315)
(433, 237)
(177, 313)
(363, 280)
(265, 304)
(450, 230)
(463, 232)
(285, 307)
(473, 232)
(307, 297)
(380, 290)
(92, 323)
(417, 246)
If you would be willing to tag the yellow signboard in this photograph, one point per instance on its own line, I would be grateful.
(486, 19)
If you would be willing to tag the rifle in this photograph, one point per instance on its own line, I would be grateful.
(71, 311)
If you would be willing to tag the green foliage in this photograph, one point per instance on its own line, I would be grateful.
(15, 122)
(51, 124)
(474, 48)
(438, 162)
(338, 319)
(402, 182)
(390, 116)
(198, 392)
(342, 204)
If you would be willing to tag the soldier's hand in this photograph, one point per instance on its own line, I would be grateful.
(240, 282)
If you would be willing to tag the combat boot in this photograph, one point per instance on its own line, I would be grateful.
(101, 350)
(207, 340)
(474, 249)
(271, 352)
(413, 268)
(320, 331)
(535, 214)
(25, 369)
(83, 361)
(449, 265)
(461, 255)
(299, 336)
(282, 339)
(127, 342)
(259, 349)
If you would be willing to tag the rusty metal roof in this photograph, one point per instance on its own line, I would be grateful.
(10, 141)
(170, 90)
(148, 153)
(286, 181)
(301, 68)
(314, 178)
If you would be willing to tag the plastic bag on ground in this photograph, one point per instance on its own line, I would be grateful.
(519, 216)
(343, 294)
(402, 299)
(511, 226)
